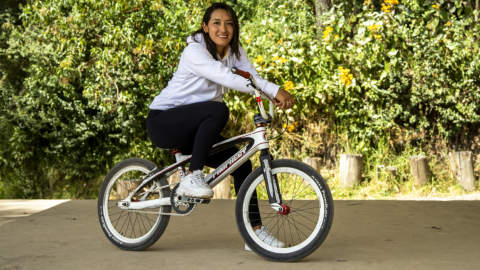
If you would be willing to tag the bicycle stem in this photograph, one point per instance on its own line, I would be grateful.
(254, 85)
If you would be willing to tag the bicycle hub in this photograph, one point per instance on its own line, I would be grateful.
(285, 211)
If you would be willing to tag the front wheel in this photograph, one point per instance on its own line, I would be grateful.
(303, 228)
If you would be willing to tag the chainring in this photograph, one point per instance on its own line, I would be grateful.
(175, 204)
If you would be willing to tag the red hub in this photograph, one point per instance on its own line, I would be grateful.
(286, 210)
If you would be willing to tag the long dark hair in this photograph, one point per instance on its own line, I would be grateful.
(234, 43)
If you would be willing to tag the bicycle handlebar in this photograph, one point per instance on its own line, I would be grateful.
(240, 72)
(257, 89)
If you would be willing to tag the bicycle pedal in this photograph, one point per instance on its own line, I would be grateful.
(192, 200)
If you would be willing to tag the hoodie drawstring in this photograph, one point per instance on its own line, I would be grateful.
(223, 88)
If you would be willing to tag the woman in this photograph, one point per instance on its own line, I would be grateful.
(189, 113)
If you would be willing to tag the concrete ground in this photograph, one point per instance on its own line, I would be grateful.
(365, 235)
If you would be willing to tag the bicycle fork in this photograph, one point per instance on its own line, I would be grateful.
(271, 181)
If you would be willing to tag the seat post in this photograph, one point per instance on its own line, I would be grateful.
(177, 153)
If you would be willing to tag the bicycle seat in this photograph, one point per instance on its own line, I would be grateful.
(174, 151)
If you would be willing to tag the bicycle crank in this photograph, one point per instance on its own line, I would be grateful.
(184, 204)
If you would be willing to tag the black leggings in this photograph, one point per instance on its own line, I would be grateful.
(194, 129)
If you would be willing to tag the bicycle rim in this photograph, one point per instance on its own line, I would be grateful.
(307, 210)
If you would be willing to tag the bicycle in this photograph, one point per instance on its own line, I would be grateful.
(293, 195)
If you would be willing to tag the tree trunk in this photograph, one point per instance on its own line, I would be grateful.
(477, 7)
(321, 6)
(462, 168)
(420, 169)
(350, 169)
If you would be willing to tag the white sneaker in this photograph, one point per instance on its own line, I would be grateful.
(268, 238)
(193, 185)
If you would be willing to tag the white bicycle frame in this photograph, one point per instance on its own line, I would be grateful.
(257, 141)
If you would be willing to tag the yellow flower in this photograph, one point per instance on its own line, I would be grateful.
(385, 8)
(249, 40)
(288, 85)
(436, 6)
(367, 2)
(327, 32)
(378, 36)
(259, 59)
(345, 77)
(373, 27)
(296, 124)
(283, 60)
(275, 58)
(448, 23)
(336, 36)
(284, 125)
(280, 41)
(391, 2)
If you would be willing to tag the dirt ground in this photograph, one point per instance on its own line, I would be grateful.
(365, 235)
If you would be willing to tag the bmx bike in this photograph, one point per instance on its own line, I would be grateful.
(294, 201)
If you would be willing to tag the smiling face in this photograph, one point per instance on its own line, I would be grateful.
(220, 29)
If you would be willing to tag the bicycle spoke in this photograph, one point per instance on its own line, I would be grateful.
(300, 223)
(307, 208)
(304, 205)
(299, 193)
(143, 225)
(118, 219)
(294, 225)
(291, 236)
(294, 211)
(306, 217)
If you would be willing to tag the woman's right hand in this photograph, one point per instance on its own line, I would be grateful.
(284, 100)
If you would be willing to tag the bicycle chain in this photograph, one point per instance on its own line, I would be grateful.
(161, 213)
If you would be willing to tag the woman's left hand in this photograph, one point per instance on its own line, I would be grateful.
(284, 100)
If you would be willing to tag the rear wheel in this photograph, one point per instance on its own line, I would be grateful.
(130, 229)
(303, 228)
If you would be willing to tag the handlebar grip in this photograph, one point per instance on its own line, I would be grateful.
(240, 72)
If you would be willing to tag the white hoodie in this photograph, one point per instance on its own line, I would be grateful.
(200, 78)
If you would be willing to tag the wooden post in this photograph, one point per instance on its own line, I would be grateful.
(126, 186)
(420, 169)
(350, 169)
(392, 171)
(224, 189)
(380, 169)
(314, 162)
(175, 177)
(462, 168)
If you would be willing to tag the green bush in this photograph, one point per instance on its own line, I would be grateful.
(77, 78)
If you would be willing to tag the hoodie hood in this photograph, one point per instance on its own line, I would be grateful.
(199, 39)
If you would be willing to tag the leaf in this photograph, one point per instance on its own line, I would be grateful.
(387, 67)
(393, 52)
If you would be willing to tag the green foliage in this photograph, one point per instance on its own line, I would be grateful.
(77, 78)
(76, 83)
(415, 69)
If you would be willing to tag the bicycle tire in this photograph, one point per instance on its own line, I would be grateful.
(317, 191)
(110, 215)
